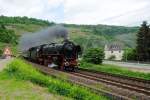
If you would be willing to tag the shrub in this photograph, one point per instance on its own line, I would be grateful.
(8, 36)
(130, 54)
(61, 88)
(20, 70)
(94, 55)
(1, 52)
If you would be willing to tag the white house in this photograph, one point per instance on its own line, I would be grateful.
(114, 51)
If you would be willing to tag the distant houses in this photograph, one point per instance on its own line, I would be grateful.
(113, 51)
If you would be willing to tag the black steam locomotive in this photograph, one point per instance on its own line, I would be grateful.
(63, 55)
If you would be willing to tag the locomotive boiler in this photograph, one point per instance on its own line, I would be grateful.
(64, 55)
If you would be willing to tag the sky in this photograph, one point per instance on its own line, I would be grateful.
(110, 12)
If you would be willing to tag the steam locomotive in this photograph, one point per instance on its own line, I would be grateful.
(64, 55)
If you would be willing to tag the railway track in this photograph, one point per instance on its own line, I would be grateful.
(78, 80)
(118, 76)
(133, 84)
(91, 79)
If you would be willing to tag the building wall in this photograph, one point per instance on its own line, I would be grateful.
(117, 54)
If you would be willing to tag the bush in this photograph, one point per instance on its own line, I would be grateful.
(21, 70)
(1, 52)
(61, 88)
(8, 36)
(129, 54)
(94, 55)
(24, 20)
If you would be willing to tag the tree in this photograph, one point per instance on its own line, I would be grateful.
(142, 42)
(129, 54)
(94, 55)
(8, 36)
(148, 43)
(1, 52)
(2, 26)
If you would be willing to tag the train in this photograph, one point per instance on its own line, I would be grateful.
(61, 55)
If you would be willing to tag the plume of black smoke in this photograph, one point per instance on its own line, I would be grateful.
(43, 37)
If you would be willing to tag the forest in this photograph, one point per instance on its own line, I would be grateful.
(88, 36)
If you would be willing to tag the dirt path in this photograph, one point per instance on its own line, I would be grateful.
(4, 62)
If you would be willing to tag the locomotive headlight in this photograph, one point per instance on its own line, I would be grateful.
(66, 63)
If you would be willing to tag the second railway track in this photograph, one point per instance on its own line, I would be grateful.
(135, 86)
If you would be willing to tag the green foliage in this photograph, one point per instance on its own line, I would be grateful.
(113, 30)
(23, 20)
(94, 55)
(8, 36)
(1, 48)
(112, 57)
(114, 70)
(13, 48)
(129, 54)
(128, 39)
(91, 41)
(104, 33)
(88, 36)
(105, 29)
(74, 92)
(97, 35)
(25, 91)
(60, 88)
(143, 43)
(20, 70)
(2, 26)
(1, 52)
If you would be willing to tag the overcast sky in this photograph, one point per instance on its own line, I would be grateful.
(111, 12)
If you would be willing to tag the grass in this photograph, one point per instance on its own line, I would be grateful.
(114, 70)
(11, 89)
(19, 70)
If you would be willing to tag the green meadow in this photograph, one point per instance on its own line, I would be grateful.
(21, 80)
